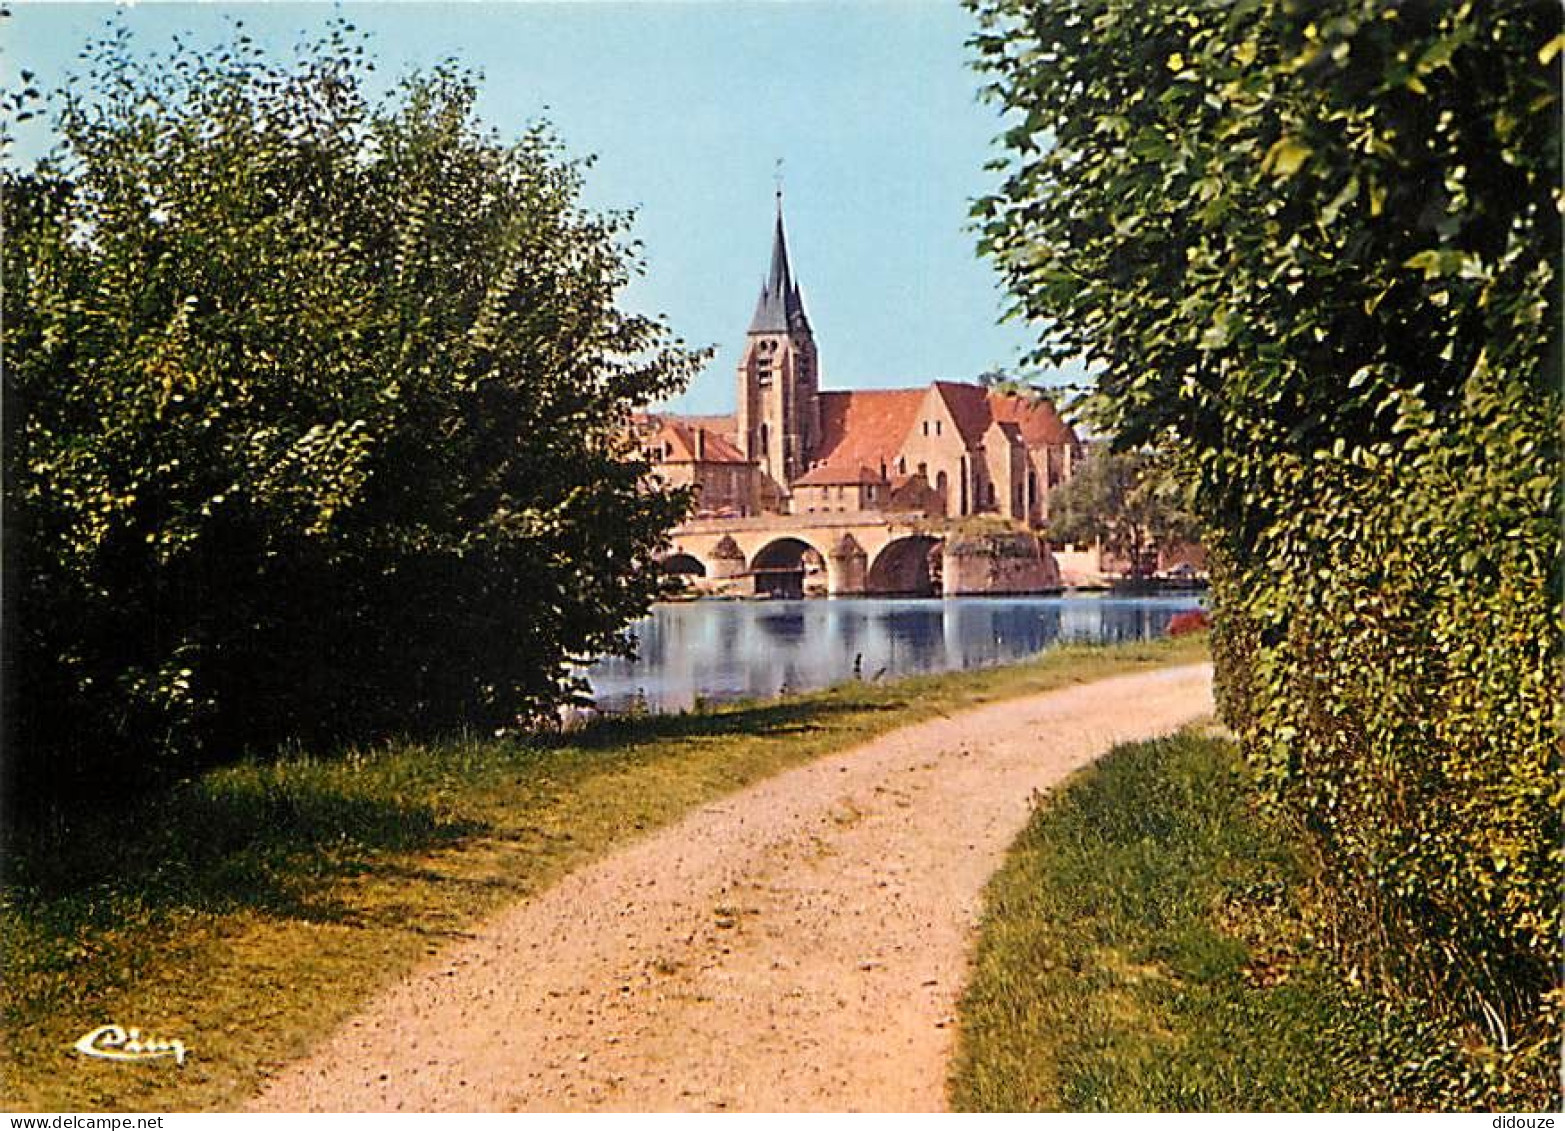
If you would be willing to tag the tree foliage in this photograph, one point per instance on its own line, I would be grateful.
(1312, 247)
(1127, 502)
(312, 412)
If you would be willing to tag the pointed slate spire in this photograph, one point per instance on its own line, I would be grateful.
(780, 309)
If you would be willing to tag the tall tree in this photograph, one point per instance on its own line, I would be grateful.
(1312, 247)
(1127, 503)
(313, 412)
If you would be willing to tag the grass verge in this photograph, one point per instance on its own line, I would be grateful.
(1142, 950)
(250, 911)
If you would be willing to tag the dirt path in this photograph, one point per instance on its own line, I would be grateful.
(797, 946)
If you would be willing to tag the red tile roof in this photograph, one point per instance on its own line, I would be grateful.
(866, 427)
(1036, 417)
(969, 407)
(863, 430)
(724, 426)
(680, 438)
(832, 475)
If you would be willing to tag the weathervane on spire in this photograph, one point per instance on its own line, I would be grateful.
(780, 309)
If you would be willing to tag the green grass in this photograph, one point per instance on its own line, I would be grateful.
(250, 911)
(1142, 951)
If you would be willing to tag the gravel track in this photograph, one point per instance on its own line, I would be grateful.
(797, 946)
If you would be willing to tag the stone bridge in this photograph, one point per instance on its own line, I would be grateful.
(859, 553)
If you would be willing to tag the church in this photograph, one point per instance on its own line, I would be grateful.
(948, 449)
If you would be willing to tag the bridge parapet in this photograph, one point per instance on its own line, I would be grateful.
(836, 520)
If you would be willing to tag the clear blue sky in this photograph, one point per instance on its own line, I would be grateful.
(688, 106)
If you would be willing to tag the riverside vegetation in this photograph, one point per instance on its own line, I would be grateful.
(314, 412)
(1312, 251)
(247, 911)
(1144, 948)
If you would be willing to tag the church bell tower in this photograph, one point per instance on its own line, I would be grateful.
(779, 404)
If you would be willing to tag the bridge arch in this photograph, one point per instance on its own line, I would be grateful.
(907, 566)
(685, 564)
(781, 566)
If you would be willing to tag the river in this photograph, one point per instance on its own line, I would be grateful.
(725, 650)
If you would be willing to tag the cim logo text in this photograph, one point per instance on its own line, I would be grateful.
(112, 1042)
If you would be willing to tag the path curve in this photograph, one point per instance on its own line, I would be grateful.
(797, 946)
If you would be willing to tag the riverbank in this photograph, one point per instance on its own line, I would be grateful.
(1143, 950)
(721, 651)
(249, 912)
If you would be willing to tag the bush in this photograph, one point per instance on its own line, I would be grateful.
(1313, 250)
(312, 412)
(1192, 620)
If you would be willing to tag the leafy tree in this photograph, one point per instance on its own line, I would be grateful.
(1002, 380)
(313, 412)
(1312, 248)
(1127, 502)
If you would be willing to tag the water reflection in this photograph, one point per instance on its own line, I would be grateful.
(719, 650)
